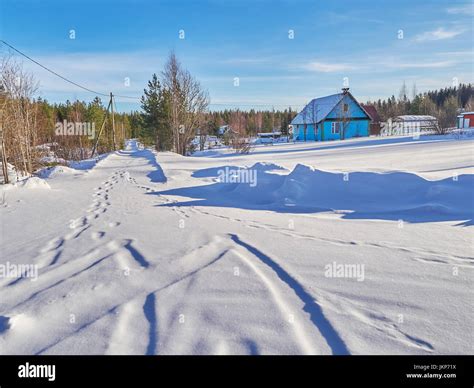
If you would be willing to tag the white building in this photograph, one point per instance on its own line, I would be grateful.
(408, 124)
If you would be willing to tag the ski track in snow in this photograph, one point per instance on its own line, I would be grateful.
(107, 277)
(433, 257)
(310, 306)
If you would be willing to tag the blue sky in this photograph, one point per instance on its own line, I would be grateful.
(250, 40)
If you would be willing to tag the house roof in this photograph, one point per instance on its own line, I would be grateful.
(319, 108)
(372, 111)
(415, 118)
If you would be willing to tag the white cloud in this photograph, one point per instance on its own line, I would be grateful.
(328, 67)
(402, 63)
(438, 34)
(467, 9)
(424, 65)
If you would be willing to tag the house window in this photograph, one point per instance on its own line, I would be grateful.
(346, 107)
(335, 127)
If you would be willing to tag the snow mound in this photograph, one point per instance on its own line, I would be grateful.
(369, 192)
(55, 171)
(33, 183)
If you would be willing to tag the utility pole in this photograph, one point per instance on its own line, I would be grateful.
(4, 157)
(101, 129)
(273, 119)
(2, 146)
(113, 120)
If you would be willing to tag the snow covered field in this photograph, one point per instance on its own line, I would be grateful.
(357, 247)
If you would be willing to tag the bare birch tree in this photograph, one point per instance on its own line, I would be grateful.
(19, 115)
(188, 103)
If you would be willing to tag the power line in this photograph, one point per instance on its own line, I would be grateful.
(130, 97)
(62, 77)
(52, 71)
(123, 96)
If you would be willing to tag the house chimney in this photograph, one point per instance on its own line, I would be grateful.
(345, 90)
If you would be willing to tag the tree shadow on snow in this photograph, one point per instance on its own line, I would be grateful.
(155, 176)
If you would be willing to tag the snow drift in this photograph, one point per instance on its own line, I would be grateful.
(33, 183)
(377, 192)
(393, 195)
(52, 172)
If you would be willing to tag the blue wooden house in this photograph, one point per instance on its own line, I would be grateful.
(334, 117)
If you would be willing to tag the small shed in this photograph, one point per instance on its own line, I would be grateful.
(465, 120)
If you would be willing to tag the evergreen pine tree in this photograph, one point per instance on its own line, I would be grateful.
(155, 104)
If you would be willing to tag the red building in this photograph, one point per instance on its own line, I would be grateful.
(465, 120)
(374, 128)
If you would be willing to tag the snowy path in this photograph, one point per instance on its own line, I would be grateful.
(124, 268)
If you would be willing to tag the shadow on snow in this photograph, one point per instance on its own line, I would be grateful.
(358, 195)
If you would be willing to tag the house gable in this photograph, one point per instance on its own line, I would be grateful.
(355, 110)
